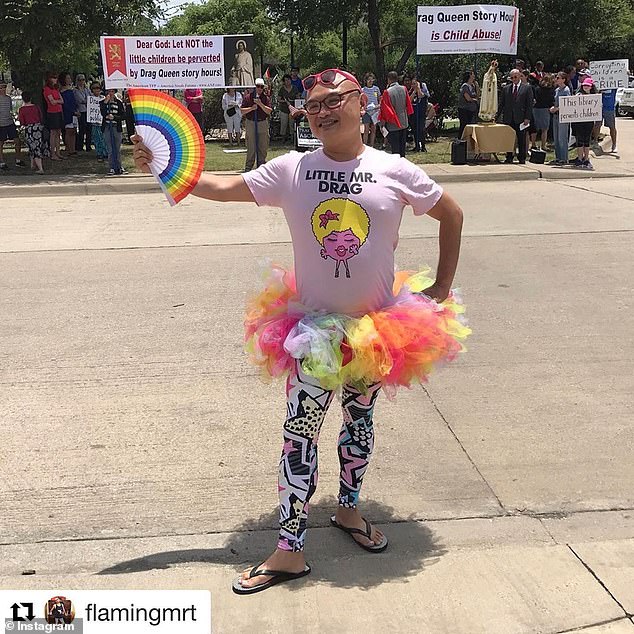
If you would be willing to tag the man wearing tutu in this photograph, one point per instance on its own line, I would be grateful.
(342, 320)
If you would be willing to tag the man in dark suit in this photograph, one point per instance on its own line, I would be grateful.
(516, 108)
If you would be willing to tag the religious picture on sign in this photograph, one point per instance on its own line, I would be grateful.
(239, 66)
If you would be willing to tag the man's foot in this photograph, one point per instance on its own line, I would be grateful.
(20, 163)
(111, 173)
(508, 161)
(4, 166)
(280, 560)
(352, 518)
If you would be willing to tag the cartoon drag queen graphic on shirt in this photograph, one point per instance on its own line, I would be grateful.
(341, 226)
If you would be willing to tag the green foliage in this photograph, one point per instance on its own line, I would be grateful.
(218, 17)
(38, 35)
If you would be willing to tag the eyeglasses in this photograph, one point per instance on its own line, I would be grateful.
(327, 78)
(332, 101)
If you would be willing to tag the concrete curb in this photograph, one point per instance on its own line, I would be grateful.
(101, 186)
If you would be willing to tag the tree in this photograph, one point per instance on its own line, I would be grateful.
(41, 35)
(224, 17)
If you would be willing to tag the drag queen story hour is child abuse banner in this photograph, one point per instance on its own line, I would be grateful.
(177, 62)
(472, 28)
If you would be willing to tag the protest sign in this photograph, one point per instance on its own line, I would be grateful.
(610, 74)
(579, 108)
(473, 28)
(93, 110)
(177, 62)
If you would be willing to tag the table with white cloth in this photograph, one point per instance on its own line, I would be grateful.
(489, 138)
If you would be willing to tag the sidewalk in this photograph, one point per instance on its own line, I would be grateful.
(140, 450)
(503, 575)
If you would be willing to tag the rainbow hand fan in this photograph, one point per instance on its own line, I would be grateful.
(173, 136)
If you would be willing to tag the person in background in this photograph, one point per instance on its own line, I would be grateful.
(467, 102)
(256, 106)
(81, 100)
(30, 117)
(576, 77)
(571, 74)
(8, 130)
(113, 113)
(371, 114)
(544, 101)
(296, 80)
(419, 95)
(561, 131)
(608, 98)
(54, 115)
(538, 73)
(583, 130)
(69, 110)
(515, 110)
(396, 99)
(231, 102)
(129, 117)
(96, 133)
(194, 100)
(285, 96)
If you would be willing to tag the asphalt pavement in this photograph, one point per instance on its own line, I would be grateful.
(140, 448)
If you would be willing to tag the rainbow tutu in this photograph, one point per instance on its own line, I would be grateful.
(397, 346)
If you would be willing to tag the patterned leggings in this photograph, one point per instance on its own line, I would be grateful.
(307, 404)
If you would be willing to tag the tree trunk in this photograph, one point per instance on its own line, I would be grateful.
(375, 35)
(409, 49)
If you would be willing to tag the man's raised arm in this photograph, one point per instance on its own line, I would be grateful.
(221, 188)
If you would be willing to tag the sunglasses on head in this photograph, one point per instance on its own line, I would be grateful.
(327, 78)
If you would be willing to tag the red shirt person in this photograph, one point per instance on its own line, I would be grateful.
(194, 100)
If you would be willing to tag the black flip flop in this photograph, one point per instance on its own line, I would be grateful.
(377, 548)
(277, 576)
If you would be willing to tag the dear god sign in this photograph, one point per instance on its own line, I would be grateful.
(151, 55)
(175, 62)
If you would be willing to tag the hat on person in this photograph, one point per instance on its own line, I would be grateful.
(259, 82)
(587, 82)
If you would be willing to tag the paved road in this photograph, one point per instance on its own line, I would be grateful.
(140, 449)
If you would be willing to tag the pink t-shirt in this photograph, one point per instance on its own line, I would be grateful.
(194, 106)
(344, 219)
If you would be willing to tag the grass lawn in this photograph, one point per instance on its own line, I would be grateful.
(216, 158)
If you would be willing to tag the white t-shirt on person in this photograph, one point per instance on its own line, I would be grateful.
(344, 219)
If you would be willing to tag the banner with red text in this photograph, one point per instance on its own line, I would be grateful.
(472, 28)
(177, 62)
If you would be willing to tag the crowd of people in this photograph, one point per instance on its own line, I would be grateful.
(404, 116)
(404, 113)
(62, 121)
(529, 103)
